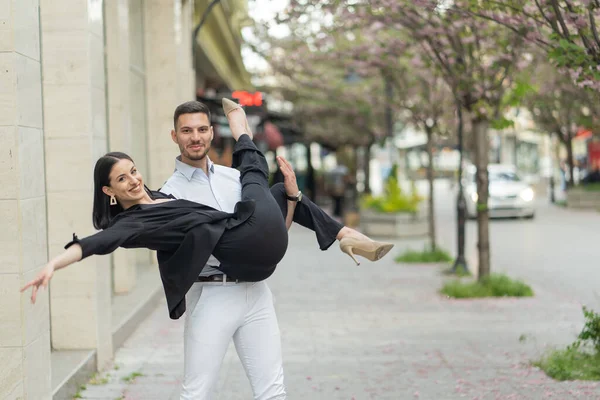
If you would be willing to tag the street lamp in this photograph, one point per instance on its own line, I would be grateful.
(461, 204)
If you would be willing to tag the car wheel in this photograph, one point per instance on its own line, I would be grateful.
(530, 216)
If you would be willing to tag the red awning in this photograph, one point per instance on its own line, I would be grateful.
(583, 134)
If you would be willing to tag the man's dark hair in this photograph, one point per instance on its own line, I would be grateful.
(190, 107)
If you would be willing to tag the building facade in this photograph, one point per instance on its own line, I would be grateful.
(79, 78)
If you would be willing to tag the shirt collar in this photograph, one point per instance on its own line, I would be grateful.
(188, 170)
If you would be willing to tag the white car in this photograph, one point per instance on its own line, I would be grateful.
(509, 195)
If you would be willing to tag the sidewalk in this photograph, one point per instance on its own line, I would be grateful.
(378, 331)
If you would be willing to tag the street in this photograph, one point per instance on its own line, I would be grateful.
(381, 330)
(557, 251)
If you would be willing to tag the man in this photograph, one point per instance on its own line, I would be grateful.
(217, 309)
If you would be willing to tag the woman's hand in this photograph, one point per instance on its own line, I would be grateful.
(291, 188)
(289, 177)
(42, 279)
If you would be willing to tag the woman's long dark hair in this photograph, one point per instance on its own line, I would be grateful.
(103, 212)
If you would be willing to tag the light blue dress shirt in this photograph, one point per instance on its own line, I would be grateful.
(221, 190)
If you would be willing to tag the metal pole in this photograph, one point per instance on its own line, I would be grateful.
(461, 204)
(197, 28)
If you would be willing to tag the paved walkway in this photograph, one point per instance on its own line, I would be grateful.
(378, 331)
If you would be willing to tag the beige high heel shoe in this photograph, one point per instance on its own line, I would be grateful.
(229, 106)
(368, 249)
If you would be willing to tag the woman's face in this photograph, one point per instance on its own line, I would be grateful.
(126, 183)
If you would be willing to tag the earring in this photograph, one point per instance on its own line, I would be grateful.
(113, 201)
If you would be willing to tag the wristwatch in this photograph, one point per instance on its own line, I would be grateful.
(297, 197)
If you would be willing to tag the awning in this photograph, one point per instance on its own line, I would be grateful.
(272, 135)
(583, 134)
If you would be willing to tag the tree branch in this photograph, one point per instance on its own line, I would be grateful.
(593, 26)
(561, 21)
(516, 10)
(550, 22)
(586, 42)
(540, 41)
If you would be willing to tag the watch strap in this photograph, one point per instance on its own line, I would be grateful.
(297, 197)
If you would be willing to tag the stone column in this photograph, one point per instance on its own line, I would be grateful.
(169, 79)
(24, 328)
(116, 16)
(75, 137)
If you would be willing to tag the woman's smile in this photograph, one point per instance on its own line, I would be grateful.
(136, 189)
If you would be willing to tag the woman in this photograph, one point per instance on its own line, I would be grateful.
(248, 243)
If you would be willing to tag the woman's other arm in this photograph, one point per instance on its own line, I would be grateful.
(66, 258)
(291, 188)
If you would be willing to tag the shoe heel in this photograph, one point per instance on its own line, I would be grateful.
(348, 250)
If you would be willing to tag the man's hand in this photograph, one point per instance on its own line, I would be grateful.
(289, 177)
(42, 279)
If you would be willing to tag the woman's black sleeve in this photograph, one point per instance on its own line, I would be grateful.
(107, 240)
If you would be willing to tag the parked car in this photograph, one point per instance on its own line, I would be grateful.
(509, 194)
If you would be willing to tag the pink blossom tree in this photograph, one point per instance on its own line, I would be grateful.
(332, 103)
(476, 58)
(428, 105)
(561, 108)
(566, 30)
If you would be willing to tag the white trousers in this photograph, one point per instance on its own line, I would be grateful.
(216, 313)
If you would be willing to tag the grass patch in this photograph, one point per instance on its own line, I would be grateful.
(98, 380)
(561, 203)
(591, 187)
(571, 364)
(131, 377)
(78, 394)
(460, 272)
(495, 285)
(580, 360)
(426, 256)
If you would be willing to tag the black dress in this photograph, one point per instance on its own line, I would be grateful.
(248, 242)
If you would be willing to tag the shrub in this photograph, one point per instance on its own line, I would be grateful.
(495, 285)
(580, 360)
(393, 199)
(425, 256)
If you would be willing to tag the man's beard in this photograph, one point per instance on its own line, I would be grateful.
(195, 156)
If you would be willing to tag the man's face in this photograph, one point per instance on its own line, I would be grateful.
(194, 135)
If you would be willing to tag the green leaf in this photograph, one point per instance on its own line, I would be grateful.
(502, 123)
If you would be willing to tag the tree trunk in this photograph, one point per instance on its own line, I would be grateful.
(367, 166)
(482, 148)
(430, 179)
(570, 160)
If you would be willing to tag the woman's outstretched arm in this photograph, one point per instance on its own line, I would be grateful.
(66, 258)
(103, 242)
